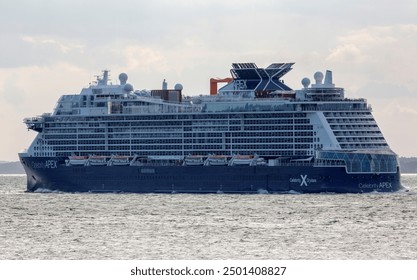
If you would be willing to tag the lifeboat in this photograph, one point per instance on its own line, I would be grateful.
(118, 160)
(77, 160)
(216, 160)
(97, 160)
(251, 160)
(193, 160)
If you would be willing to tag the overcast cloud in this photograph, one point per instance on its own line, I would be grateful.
(54, 47)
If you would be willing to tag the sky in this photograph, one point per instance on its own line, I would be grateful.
(50, 48)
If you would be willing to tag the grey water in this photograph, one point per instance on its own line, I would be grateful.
(57, 226)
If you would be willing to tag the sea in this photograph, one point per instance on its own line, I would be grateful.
(85, 226)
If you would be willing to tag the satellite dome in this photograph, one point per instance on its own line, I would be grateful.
(128, 88)
(305, 82)
(178, 87)
(123, 78)
(318, 76)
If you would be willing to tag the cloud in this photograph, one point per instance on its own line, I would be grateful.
(384, 90)
(144, 59)
(13, 94)
(347, 53)
(378, 54)
(24, 50)
(65, 47)
(33, 89)
(367, 44)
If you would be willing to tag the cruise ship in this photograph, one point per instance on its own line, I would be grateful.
(253, 135)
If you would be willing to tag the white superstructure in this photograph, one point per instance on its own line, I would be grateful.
(256, 113)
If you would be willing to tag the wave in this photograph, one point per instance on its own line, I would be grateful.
(44, 190)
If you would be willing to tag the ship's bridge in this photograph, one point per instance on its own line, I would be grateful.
(35, 123)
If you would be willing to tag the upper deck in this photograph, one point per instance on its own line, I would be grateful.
(254, 113)
(251, 89)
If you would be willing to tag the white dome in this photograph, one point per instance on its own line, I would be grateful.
(128, 88)
(318, 76)
(305, 82)
(123, 78)
(178, 87)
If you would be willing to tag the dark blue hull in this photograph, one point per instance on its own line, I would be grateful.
(52, 174)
